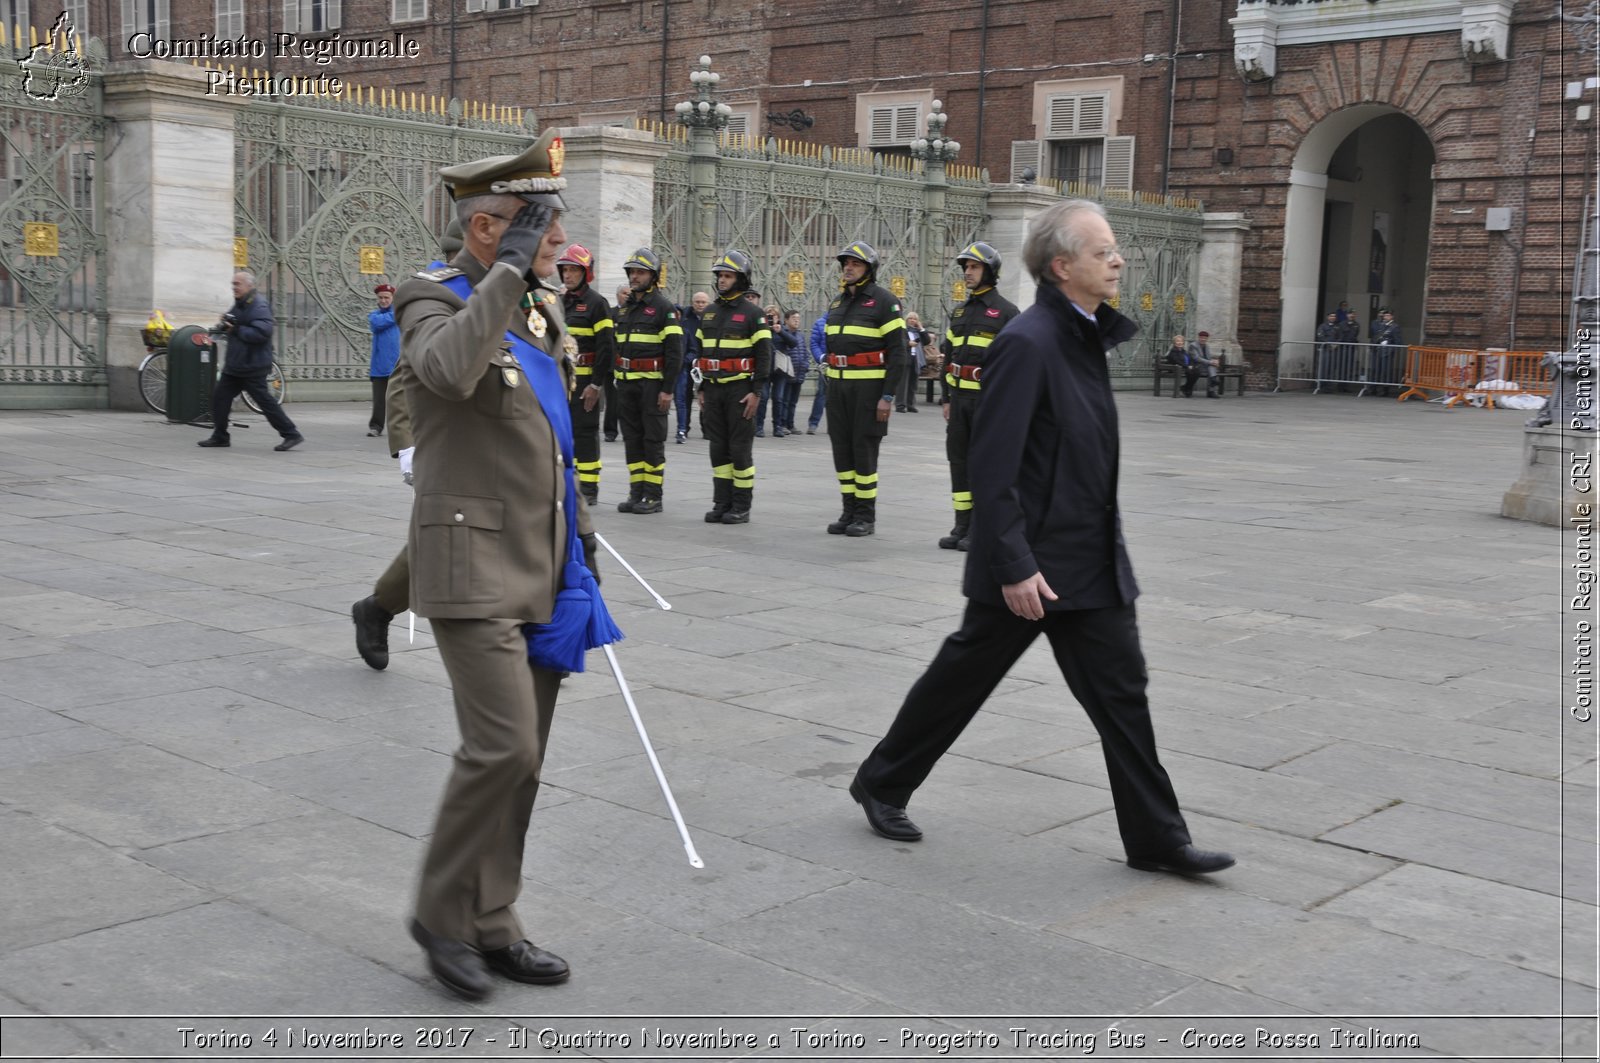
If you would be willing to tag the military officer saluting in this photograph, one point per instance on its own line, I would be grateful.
(867, 354)
(488, 403)
(588, 317)
(649, 355)
(973, 327)
(735, 357)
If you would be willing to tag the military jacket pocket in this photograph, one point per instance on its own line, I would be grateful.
(458, 547)
(504, 392)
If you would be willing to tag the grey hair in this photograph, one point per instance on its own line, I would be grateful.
(489, 203)
(1056, 234)
(249, 278)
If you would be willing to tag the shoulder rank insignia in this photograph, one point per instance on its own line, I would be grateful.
(443, 273)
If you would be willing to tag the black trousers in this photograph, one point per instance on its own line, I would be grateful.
(612, 407)
(856, 433)
(228, 388)
(1098, 651)
(957, 441)
(380, 391)
(644, 435)
(585, 439)
(731, 438)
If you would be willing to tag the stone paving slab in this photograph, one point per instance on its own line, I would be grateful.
(1353, 672)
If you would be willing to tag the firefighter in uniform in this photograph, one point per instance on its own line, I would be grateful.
(735, 358)
(973, 326)
(649, 354)
(867, 354)
(589, 323)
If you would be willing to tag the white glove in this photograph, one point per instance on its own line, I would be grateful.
(405, 463)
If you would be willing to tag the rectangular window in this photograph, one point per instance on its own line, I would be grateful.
(409, 11)
(1082, 161)
(1083, 115)
(230, 18)
(146, 16)
(310, 16)
(493, 5)
(82, 174)
(14, 21)
(78, 13)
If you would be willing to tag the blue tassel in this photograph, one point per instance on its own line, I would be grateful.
(579, 623)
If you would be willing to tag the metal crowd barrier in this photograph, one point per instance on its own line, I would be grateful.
(1358, 367)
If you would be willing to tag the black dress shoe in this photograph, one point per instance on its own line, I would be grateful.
(372, 631)
(290, 443)
(212, 442)
(1184, 860)
(455, 963)
(887, 820)
(523, 961)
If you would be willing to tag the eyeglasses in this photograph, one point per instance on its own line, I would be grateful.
(1106, 254)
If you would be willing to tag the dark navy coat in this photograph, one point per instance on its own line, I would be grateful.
(250, 342)
(1043, 460)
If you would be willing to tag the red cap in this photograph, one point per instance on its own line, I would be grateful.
(380, 289)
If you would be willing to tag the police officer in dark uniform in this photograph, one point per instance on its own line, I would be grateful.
(649, 354)
(866, 359)
(589, 323)
(973, 327)
(735, 357)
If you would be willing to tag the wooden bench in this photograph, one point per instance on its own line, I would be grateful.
(1225, 371)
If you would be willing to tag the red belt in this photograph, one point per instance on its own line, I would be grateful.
(584, 360)
(639, 365)
(966, 372)
(864, 360)
(727, 365)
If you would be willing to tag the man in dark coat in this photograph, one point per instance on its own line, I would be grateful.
(1047, 553)
(248, 324)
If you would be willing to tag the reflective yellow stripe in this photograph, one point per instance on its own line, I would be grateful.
(653, 474)
(583, 370)
(580, 330)
(862, 330)
(710, 379)
(729, 343)
(603, 323)
(956, 382)
(722, 472)
(744, 477)
(866, 485)
(639, 376)
(641, 337)
(971, 341)
(857, 374)
(961, 500)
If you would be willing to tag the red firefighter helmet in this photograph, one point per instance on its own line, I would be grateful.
(578, 255)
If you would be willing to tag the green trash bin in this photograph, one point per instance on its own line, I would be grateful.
(191, 374)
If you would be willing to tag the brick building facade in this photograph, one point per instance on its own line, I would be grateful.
(1363, 163)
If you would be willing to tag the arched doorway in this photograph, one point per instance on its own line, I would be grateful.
(1357, 226)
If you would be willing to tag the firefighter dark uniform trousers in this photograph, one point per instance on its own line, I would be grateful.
(735, 358)
(973, 326)
(649, 354)
(866, 342)
(589, 321)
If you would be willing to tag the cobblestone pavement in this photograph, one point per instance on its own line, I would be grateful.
(209, 806)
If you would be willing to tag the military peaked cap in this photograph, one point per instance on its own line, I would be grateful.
(535, 175)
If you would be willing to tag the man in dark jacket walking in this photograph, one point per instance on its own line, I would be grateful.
(248, 324)
(1047, 553)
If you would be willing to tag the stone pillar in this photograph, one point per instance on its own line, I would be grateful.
(610, 196)
(1302, 236)
(703, 196)
(932, 303)
(1012, 209)
(169, 209)
(1221, 266)
(1557, 482)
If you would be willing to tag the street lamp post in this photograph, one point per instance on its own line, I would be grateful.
(704, 116)
(935, 150)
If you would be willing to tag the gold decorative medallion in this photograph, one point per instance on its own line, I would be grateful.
(898, 286)
(797, 282)
(241, 252)
(536, 323)
(41, 239)
(371, 260)
(958, 292)
(509, 376)
(1180, 303)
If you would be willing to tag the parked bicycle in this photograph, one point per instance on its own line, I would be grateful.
(153, 372)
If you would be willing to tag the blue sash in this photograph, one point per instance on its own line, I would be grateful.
(580, 621)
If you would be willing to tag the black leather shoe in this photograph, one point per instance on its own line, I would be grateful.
(211, 442)
(611, 437)
(714, 514)
(523, 961)
(736, 516)
(858, 528)
(373, 432)
(290, 443)
(887, 820)
(455, 963)
(372, 631)
(647, 505)
(1184, 860)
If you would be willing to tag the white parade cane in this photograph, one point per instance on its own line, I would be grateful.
(655, 765)
(612, 551)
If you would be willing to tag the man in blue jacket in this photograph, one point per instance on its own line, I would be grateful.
(248, 325)
(385, 353)
(1046, 553)
(819, 351)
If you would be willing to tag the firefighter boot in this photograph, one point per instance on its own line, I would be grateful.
(721, 500)
(959, 532)
(740, 513)
(635, 496)
(865, 519)
(845, 517)
(590, 493)
(650, 500)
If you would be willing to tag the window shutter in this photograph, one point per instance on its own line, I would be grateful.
(882, 129)
(906, 120)
(130, 18)
(1026, 154)
(1077, 116)
(291, 16)
(738, 125)
(332, 12)
(1092, 114)
(1119, 163)
(1061, 116)
(474, 5)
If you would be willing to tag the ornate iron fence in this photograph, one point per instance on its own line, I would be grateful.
(52, 278)
(1160, 238)
(335, 196)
